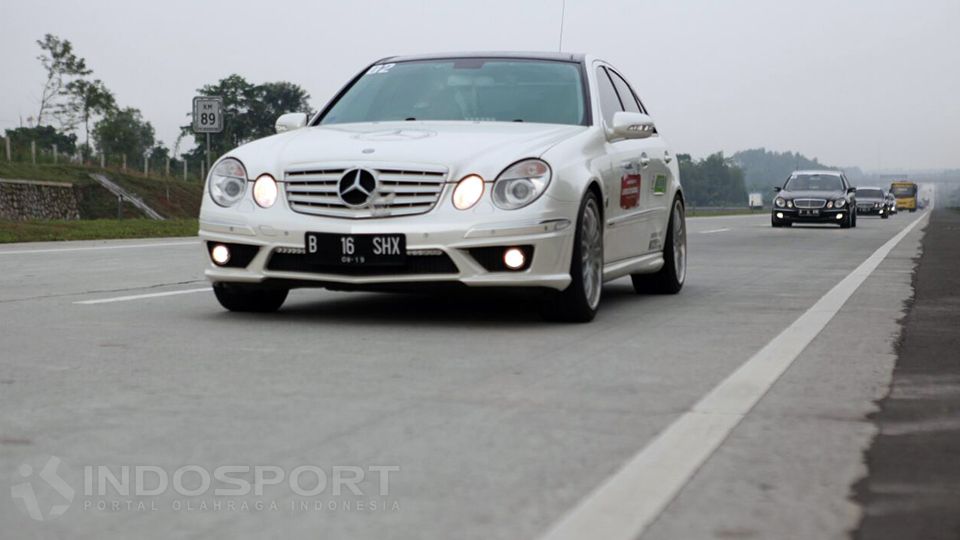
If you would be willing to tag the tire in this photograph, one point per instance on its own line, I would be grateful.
(853, 218)
(580, 300)
(774, 223)
(884, 216)
(249, 298)
(670, 278)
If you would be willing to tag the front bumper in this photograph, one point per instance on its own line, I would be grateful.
(442, 248)
(824, 215)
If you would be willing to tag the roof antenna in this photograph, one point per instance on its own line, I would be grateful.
(563, 10)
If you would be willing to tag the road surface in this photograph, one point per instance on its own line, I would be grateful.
(466, 416)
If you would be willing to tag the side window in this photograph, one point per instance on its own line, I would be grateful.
(627, 96)
(609, 102)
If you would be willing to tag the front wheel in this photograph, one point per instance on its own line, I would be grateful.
(247, 298)
(580, 300)
(669, 279)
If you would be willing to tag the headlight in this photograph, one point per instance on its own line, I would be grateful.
(780, 202)
(521, 184)
(830, 204)
(227, 182)
(839, 203)
(789, 204)
(265, 191)
(468, 192)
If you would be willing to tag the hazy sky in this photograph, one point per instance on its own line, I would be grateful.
(873, 83)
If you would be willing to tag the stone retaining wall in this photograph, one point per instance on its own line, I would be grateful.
(22, 200)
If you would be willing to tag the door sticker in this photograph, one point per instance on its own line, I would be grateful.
(660, 185)
(629, 191)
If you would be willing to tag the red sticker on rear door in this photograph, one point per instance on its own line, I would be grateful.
(630, 191)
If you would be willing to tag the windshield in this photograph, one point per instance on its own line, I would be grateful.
(871, 193)
(904, 191)
(814, 182)
(471, 89)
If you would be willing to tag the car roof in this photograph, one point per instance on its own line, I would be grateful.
(870, 187)
(542, 55)
(818, 171)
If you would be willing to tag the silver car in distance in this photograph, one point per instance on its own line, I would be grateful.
(531, 170)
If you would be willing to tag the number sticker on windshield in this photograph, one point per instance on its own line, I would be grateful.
(379, 68)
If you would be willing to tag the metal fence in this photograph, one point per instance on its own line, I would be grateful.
(31, 153)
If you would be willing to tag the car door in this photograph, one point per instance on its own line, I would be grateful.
(619, 163)
(656, 170)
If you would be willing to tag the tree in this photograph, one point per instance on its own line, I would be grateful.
(765, 169)
(60, 63)
(45, 138)
(124, 132)
(249, 111)
(712, 181)
(87, 99)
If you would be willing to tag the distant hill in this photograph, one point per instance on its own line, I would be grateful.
(764, 169)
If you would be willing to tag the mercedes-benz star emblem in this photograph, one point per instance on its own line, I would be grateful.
(357, 187)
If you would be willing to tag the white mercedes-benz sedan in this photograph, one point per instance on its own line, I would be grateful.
(533, 170)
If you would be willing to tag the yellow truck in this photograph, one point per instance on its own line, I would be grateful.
(906, 194)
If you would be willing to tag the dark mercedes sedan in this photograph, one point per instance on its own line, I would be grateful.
(872, 201)
(815, 197)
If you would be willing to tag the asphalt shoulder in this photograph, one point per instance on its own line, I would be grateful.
(912, 489)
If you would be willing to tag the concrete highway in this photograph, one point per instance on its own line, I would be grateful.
(736, 409)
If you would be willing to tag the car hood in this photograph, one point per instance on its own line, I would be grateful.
(483, 148)
(862, 199)
(812, 194)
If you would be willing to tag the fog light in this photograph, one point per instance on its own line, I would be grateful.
(220, 254)
(514, 258)
(839, 216)
(265, 191)
(779, 215)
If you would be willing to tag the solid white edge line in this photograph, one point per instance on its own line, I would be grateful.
(141, 296)
(711, 231)
(95, 248)
(627, 502)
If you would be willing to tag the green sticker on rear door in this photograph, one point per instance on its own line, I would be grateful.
(660, 185)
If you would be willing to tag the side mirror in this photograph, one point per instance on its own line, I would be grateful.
(632, 125)
(851, 190)
(777, 189)
(290, 122)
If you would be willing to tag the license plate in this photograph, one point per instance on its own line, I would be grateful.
(356, 249)
(809, 212)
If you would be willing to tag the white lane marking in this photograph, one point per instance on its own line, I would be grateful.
(141, 296)
(630, 500)
(711, 231)
(732, 216)
(94, 248)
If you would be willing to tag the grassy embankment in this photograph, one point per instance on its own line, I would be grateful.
(176, 200)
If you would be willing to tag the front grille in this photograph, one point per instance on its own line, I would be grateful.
(430, 263)
(399, 192)
(809, 203)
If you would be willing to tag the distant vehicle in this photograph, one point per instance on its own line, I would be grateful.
(891, 203)
(815, 197)
(872, 201)
(755, 200)
(540, 171)
(924, 202)
(906, 193)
